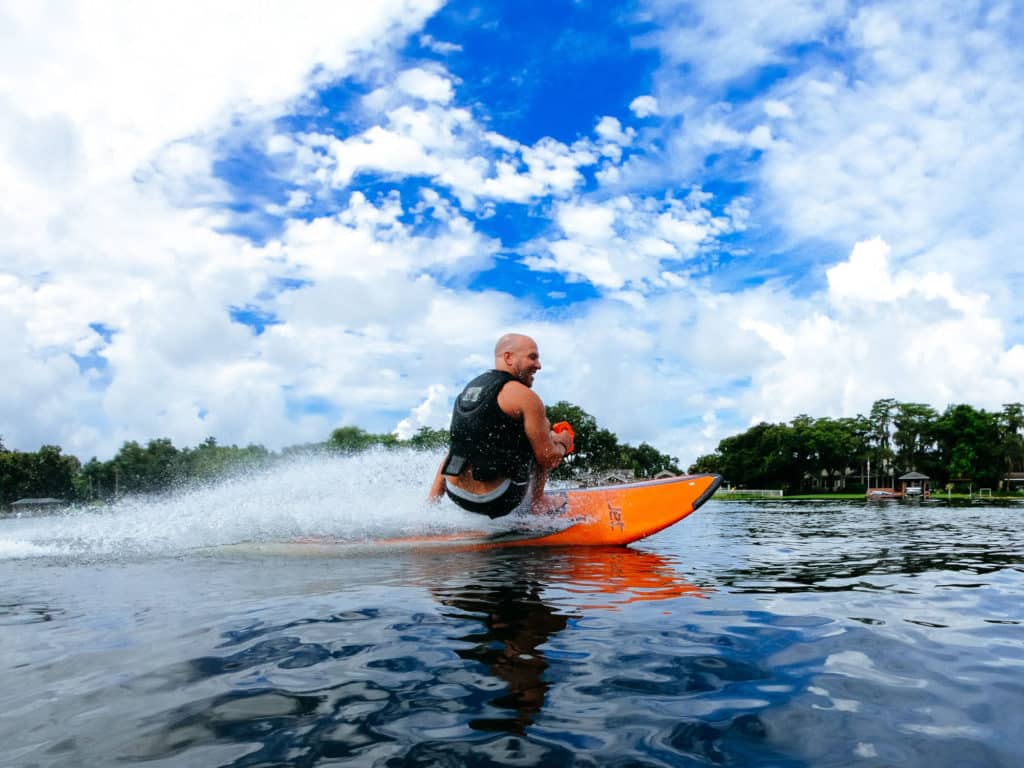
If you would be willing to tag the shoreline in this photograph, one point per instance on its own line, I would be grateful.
(741, 496)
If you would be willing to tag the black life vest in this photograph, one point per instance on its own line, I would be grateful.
(486, 437)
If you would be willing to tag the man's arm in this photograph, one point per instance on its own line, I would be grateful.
(437, 487)
(549, 448)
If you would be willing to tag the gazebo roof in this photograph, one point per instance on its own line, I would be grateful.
(914, 476)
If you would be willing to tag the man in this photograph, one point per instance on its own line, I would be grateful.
(502, 445)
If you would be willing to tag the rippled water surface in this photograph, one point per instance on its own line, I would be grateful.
(753, 633)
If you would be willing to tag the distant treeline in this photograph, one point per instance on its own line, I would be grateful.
(961, 445)
(159, 466)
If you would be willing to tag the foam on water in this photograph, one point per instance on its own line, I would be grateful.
(376, 494)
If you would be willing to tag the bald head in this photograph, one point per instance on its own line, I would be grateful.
(517, 354)
(510, 342)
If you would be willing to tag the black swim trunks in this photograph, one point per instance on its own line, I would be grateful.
(497, 503)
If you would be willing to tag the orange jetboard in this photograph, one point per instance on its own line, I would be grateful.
(613, 514)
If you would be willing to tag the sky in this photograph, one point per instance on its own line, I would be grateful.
(260, 222)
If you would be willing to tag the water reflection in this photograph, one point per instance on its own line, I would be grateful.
(514, 622)
(520, 603)
(360, 683)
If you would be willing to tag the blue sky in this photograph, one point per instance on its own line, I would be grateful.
(263, 224)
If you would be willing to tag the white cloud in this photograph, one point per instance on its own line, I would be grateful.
(448, 145)
(644, 106)
(111, 121)
(707, 37)
(124, 79)
(367, 242)
(623, 242)
(884, 333)
(439, 46)
(760, 137)
(105, 114)
(426, 85)
(916, 137)
(777, 109)
(610, 129)
(922, 145)
(690, 351)
(586, 221)
(435, 412)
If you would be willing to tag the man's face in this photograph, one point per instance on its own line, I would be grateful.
(525, 362)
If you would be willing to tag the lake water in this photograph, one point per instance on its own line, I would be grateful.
(751, 634)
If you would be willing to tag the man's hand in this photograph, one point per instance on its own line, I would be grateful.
(566, 428)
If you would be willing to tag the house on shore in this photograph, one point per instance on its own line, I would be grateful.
(1013, 481)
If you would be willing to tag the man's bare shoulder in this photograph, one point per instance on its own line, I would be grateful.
(515, 398)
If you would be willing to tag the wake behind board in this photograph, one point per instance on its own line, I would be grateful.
(613, 515)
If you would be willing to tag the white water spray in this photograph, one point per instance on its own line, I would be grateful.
(377, 494)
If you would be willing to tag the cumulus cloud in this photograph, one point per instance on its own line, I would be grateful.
(126, 80)
(126, 280)
(434, 412)
(885, 332)
(426, 85)
(877, 331)
(644, 106)
(917, 146)
(450, 147)
(913, 139)
(625, 242)
(104, 124)
(610, 129)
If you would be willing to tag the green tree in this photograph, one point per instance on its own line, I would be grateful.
(747, 457)
(968, 445)
(791, 456)
(598, 449)
(707, 463)
(430, 439)
(43, 473)
(595, 449)
(880, 435)
(350, 440)
(208, 460)
(837, 445)
(1011, 437)
(914, 439)
(647, 461)
(10, 477)
(96, 480)
(54, 473)
(148, 469)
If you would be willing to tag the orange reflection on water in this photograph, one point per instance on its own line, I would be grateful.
(610, 577)
(521, 599)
